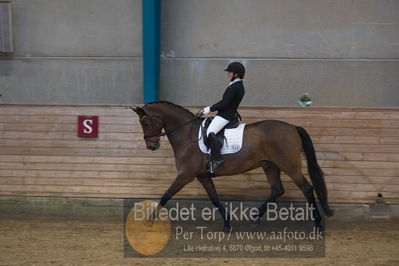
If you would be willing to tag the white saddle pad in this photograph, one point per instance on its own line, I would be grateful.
(232, 143)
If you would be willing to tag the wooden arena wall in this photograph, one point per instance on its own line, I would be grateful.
(41, 155)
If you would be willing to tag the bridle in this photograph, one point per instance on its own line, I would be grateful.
(162, 134)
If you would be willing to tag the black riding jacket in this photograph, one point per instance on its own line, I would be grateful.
(232, 97)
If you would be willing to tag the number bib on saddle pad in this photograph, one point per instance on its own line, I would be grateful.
(232, 142)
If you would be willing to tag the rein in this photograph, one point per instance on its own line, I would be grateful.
(162, 134)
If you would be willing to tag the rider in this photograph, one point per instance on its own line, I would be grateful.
(226, 108)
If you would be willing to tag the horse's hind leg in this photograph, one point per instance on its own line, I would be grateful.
(273, 176)
(209, 186)
(307, 190)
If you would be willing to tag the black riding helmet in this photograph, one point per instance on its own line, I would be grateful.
(236, 68)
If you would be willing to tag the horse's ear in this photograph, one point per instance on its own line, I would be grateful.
(138, 110)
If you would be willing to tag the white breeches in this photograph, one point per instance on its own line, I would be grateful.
(216, 125)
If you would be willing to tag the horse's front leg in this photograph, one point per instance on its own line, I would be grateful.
(211, 190)
(181, 181)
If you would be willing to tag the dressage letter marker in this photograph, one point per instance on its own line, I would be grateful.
(88, 126)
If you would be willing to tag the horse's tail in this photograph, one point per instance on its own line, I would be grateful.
(315, 173)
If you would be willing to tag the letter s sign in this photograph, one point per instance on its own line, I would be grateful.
(88, 126)
(87, 123)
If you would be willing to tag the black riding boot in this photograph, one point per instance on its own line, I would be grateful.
(216, 158)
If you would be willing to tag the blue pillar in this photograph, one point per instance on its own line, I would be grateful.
(151, 49)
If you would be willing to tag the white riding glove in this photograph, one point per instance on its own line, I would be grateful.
(206, 110)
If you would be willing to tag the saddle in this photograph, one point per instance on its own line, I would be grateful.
(220, 136)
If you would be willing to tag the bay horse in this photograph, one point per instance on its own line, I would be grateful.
(271, 144)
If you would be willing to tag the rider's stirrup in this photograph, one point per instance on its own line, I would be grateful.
(213, 165)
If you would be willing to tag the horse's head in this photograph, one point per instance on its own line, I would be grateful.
(152, 128)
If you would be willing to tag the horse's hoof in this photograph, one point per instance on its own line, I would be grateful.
(226, 228)
(320, 228)
(149, 223)
(255, 222)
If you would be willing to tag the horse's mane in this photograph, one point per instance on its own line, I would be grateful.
(174, 105)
